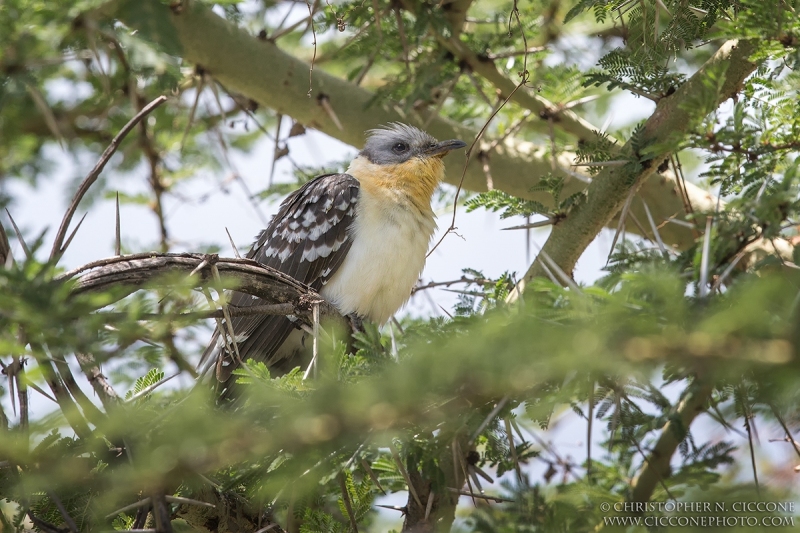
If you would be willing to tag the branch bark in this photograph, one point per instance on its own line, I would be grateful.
(263, 72)
(656, 467)
(609, 190)
(135, 271)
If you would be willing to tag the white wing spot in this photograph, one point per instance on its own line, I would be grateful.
(309, 218)
(317, 251)
(321, 229)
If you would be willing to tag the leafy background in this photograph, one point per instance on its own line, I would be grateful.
(628, 358)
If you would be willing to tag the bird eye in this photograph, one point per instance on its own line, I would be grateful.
(399, 148)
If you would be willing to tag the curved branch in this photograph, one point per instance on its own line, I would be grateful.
(136, 271)
(656, 466)
(95, 172)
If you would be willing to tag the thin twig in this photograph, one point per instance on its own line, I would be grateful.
(478, 137)
(789, 437)
(496, 499)
(314, 44)
(95, 172)
(462, 279)
(747, 426)
(403, 40)
(61, 509)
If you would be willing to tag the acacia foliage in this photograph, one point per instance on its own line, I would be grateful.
(439, 400)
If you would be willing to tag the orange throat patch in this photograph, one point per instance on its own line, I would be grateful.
(417, 178)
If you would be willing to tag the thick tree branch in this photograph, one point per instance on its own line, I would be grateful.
(656, 467)
(671, 119)
(263, 72)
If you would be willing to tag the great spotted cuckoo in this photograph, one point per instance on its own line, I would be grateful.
(360, 239)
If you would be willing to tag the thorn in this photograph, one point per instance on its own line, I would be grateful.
(265, 529)
(623, 214)
(403, 510)
(394, 342)
(704, 259)
(42, 392)
(72, 235)
(151, 388)
(347, 504)
(541, 223)
(615, 163)
(655, 229)
(429, 504)
(483, 474)
(188, 501)
(297, 129)
(198, 268)
(568, 281)
(727, 272)
(198, 90)
(372, 475)
(475, 479)
(47, 113)
(25, 248)
(512, 447)
(497, 499)
(312, 366)
(140, 503)
(118, 241)
(233, 245)
(581, 101)
(325, 102)
(493, 413)
(404, 473)
(276, 150)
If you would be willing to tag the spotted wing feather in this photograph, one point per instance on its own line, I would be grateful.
(307, 239)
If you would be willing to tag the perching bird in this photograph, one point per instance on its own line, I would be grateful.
(359, 239)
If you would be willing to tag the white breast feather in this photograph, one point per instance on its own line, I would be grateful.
(390, 240)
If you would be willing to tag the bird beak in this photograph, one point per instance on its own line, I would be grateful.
(442, 148)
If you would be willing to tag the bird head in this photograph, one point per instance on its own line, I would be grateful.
(404, 157)
(398, 143)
